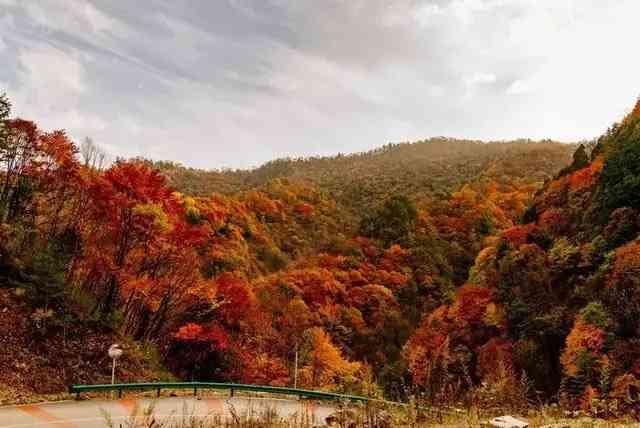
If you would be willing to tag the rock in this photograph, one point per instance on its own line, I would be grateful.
(507, 422)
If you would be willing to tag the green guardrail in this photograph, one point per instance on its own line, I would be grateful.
(231, 387)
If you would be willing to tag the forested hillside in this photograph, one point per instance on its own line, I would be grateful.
(555, 298)
(374, 268)
(433, 167)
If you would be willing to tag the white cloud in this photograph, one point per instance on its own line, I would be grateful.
(464, 10)
(51, 75)
(50, 87)
(557, 52)
(481, 79)
(579, 52)
(428, 14)
(519, 87)
(64, 15)
(78, 120)
(97, 20)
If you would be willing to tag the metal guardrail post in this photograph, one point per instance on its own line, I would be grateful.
(158, 393)
(119, 392)
(231, 391)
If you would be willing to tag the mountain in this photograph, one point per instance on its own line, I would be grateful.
(556, 297)
(359, 181)
(226, 276)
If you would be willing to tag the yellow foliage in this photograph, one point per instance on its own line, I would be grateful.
(155, 211)
(326, 368)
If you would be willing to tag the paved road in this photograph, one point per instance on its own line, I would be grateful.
(90, 413)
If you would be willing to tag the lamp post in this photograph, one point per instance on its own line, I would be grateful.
(115, 352)
(295, 370)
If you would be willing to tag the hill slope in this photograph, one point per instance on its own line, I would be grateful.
(360, 181)
(337, 258)
(42, 356)
(556, 297)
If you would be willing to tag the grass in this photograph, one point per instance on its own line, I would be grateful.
(352, 417)
(145, 417)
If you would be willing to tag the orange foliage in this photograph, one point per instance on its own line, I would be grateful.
(304, 209)
(583, 338)
(325, 367)
(429, 347)
(373, 302)
(626, 267)
(264, 369)
(494, 355)
(393, 257)
(485, 267)
(237, 298)
(274, 265)
(518, 235)
(553, 221)
(588, 397)
(470, 305)
(213, 335)
(625, 388)
(556, 191)
(263, 205)
(585, 178)
(468, 322)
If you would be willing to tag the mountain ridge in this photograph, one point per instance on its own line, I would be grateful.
(416, 169)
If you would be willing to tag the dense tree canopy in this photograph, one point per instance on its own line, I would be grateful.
(559, 291)
(407, 269)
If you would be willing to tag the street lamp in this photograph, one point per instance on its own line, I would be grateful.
(115, 352)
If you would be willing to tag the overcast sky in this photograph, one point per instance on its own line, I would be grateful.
(233, 83)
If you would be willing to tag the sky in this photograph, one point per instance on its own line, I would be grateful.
(235, 83)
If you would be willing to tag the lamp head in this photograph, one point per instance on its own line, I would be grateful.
(115, 351)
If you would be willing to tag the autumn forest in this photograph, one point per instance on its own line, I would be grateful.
(444, 270)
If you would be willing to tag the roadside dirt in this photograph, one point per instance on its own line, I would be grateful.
(36, 366)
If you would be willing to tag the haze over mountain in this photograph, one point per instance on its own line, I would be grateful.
(360, 181)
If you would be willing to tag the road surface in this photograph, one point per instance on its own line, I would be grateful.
(90, 413)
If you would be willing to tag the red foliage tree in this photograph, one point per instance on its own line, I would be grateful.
(553, 221)
(519, 234)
